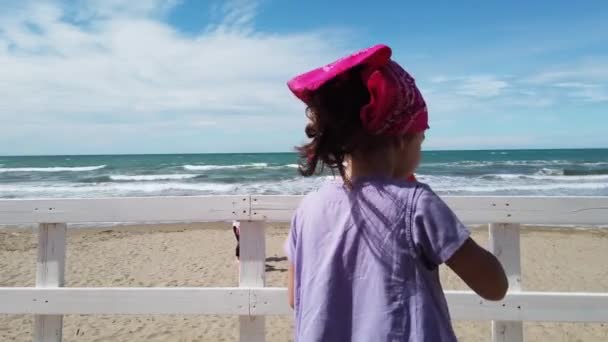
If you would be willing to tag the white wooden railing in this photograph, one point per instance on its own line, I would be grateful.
(49, 301)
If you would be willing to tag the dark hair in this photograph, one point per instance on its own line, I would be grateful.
(335, 126)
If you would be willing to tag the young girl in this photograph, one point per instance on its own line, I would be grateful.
(365, 250)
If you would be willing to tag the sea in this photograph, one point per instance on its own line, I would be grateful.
(582, 172)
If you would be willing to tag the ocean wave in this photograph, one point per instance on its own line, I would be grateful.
(549, 172)
(53, 169)
(281, 167)
(96, 179)
(595, 172)
(534, 162)
(151, 177)
(592, 164)
(223, 167)
(293, 186)
(557, 176)
(571, 173)
(537, 188)
(114, 189)
(103, 186)
(503, 163)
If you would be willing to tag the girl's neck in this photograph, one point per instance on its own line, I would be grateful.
(360, 167)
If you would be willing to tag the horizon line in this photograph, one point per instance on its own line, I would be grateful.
(291, 152)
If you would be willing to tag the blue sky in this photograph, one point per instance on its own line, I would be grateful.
(96, 77)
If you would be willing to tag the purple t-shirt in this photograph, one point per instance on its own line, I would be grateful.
(366, 262)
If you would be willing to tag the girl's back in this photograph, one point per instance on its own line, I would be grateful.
(366, 269)
(364, 252)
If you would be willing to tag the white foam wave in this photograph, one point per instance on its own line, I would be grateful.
(547, 177)
(151, 177)
(550, 172)
(595, 164)
(533, 162)
(223, 167)
(530, 163)
(540, 188)
(53, 169)
(515, 184)
(280, 167)
(114, 189)
(495, 184)
(296, 186)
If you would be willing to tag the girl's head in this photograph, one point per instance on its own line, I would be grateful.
(363, 109)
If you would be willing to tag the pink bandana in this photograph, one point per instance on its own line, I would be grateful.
(396, 106)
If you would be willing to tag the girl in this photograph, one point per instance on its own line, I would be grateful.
(365, 250)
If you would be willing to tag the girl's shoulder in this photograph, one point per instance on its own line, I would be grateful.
(328, 190)
(332, 191)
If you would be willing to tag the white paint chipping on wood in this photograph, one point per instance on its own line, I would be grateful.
(477, 210)
(144, 209)
(252, 274)
(50, 270)
(504, 243)
(50, 264)
(472, 210)
(125, 300)
(531, 306)
(464, 305)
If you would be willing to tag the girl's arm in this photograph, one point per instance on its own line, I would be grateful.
(290, 293)
(441, 238)
(480, 270)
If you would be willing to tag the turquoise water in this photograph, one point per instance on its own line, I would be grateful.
(509, 172)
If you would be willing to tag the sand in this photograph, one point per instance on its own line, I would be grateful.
(203, 255)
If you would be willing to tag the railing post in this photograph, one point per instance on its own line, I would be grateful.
(50, 268)
(252, 274)
(504, 243)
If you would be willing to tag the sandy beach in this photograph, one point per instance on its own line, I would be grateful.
(203, 255)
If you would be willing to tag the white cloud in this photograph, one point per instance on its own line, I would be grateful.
(579, 83)
(439, 79)
(581, 72)
(125, 64)
(590, 92)
(482, 86)
(575, 85)
(236, 16)
(450, 97)
(494, 141)
(478, 86)
(96, 9)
